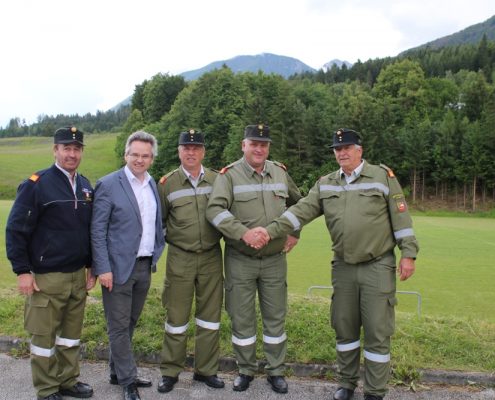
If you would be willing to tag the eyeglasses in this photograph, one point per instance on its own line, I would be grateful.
(136, 156)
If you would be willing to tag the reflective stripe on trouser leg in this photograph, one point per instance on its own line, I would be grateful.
(61, 312)
(188, 276)
(346, 321)
(241, 274)
(378, 315)
(209, 299)
(272, 293)
(177, 298)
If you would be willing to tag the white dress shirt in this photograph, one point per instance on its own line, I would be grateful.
(147, 207)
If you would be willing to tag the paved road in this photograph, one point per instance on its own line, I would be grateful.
(15, 383)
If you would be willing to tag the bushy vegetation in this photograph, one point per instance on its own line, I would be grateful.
(429, 115)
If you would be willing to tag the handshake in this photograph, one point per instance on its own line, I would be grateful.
(258, 237)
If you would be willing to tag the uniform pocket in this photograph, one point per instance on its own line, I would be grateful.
(228, 296)
(386, 278)
(165, 293)
(37, 314)
(371, 202)
(392, 302)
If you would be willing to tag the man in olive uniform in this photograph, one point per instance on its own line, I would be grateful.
(48, 244)
(194, 266)
(251, 192)
(366, 215)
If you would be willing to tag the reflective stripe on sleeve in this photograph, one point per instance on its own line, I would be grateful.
(214, 326)
(292, 219)
(244, 342)
(40, 351)
(189, 192)
(60, 341)
(267, 187)
(379, 358)
(403, 233)
(348, 346)
(275, 339)
(175, 330)
(356, 186)
(220, 217)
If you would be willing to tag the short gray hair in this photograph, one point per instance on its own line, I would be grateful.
(142, 136)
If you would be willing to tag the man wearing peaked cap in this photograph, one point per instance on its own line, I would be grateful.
(194, 267)
(247, 193)
(48, 244)
(366, 215)
(68, 134)
(192, 137)
(345, 137)
(258, 132)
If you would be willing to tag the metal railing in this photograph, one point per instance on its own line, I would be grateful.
(417, 294)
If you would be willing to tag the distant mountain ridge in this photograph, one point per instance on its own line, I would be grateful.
(288, 66)
(266, 62)
(470, 35)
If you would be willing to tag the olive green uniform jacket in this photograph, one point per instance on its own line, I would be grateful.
(194, 271)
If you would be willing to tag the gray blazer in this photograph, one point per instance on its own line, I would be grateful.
(116, 227)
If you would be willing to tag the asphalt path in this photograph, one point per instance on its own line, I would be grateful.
(15, 383)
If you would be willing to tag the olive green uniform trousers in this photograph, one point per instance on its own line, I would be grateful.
(244, 276)
(364, 295)
(54, 318)
(192, 275)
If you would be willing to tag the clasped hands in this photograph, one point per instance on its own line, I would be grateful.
(258, 237)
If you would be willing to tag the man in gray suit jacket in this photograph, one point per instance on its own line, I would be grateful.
(127, 241)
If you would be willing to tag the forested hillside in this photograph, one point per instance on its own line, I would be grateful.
(429, 116)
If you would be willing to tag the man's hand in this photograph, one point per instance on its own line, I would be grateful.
(27, 284)
(90, 279)
(406, 268)
(256, 238)
(106, 280)
(290, 243)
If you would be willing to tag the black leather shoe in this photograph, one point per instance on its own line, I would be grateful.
(140, 382)
(241, 382)
(79, 390)
(372, 397)
(167, 383)
(210, 380)
(278, 383)
(131, 392)
(343, 394)
(53, 396)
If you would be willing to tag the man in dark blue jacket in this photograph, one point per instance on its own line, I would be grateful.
(48, 245)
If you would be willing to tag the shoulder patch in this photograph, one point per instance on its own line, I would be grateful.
(225, 169)
(390, 173)
(34, 177)
(279, 164)
(164, 178)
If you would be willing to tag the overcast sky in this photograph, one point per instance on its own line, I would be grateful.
(67, 57)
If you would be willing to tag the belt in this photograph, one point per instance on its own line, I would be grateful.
(144, 258)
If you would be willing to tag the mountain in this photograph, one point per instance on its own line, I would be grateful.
(470, 35)
(337, 63)
(266, 62)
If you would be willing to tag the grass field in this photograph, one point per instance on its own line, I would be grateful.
(454, 277)
(20, 157)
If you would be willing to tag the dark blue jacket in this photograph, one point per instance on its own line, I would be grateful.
(48, 227)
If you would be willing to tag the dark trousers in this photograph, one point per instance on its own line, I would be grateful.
(123, 306)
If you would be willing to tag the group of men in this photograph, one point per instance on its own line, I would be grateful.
(59, 226)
